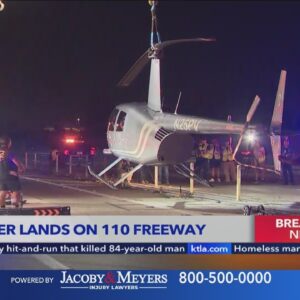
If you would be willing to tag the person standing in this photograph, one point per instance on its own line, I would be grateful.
(53, 157)
(202, 162)
(286, 162)
(10, 168)
(228, 163)
(259, 154)
(163, 174)
(216, 161)
(144, 174)
(125, 168)
(210, 156)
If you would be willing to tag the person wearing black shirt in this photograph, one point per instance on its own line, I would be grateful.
(286, 163)
(10, 167)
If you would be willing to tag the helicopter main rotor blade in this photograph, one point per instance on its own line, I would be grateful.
(139, 65)
(136, 69)
(173, 42)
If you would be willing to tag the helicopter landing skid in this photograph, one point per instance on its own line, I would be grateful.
(101, 179)
(183, 170)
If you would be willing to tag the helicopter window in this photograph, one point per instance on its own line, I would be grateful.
(112, 120)
(121, 121)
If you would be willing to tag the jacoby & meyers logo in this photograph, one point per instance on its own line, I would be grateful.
(113, 280)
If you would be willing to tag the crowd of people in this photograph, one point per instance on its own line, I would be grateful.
(215, 162)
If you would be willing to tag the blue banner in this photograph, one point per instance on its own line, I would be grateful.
(209, 248)
(149, 248)
(93, 248)
(150, 284)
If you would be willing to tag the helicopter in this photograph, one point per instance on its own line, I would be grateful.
(143, 134)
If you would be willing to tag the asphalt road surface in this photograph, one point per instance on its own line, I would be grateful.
(91, 198)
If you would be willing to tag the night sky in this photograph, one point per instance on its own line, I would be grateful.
(62, 59)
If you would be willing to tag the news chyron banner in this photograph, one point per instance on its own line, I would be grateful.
(147, 257)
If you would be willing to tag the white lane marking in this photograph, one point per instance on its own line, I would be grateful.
(77, 189)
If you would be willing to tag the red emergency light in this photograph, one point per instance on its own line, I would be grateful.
(93, 151)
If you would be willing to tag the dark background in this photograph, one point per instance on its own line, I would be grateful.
(60, 60)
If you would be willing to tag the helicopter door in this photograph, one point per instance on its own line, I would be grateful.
(121, 121)
(112, 127)
(120, 137)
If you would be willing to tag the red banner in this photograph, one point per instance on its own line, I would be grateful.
(277, 229)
